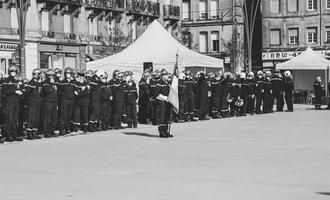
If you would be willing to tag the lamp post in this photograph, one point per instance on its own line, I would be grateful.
(250, 10)
(21, 10)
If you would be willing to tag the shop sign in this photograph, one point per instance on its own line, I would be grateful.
(287, 55)
(7, 47)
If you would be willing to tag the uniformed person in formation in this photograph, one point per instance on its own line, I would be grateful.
(160, 90)
(318, 90)
(288, 90)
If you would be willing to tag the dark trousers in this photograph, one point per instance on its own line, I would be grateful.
(203, 107)
(288, 100)
(182, 103)
(11, 111)
(41, 122)
(216, 103)
(143, 110)
(131, 114)
(34, 116)
(117, 112)
(244, 107)
(189, 105)
(105, 114)
(259, 98)
(80, 115)
(224, 104)
(279, 100)
(66, 113)
(251, 105)
(268, 103)
(50, 117)
(163, 113)
(94, 111)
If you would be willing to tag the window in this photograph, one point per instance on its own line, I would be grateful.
(203, 40)
(293, 5)
(328, 4)
(45, 60)
(275, 37)
(186, 10)
(3, 65)
(92, 26)
(13, 18)
(215, 41)
(67, 24)
(311, 4)
(293, 36)
(203, 9)
(275, 6)
(44, 21)
(187, 39)
(312, 35)
(327, 35)
(70, 60)
(214, 10)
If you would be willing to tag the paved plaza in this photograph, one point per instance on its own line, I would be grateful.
(280, 156)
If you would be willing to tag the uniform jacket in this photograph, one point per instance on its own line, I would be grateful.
(95, 91)
(216, 88)
(277, 84)
(190, 84)
(106, 92)
(288, 85)
(318, 88)
(49, 91)
(131, 94)
(82, 98)
(10, 85)
(117, 88)
(68, 89)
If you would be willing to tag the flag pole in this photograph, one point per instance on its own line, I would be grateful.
(171, 114)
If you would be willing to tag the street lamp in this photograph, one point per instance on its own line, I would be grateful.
(21, 10)
(250, 10)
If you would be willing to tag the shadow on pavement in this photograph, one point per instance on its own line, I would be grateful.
(324, 193)
(140, 134)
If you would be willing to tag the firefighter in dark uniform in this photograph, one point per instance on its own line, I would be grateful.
(190, 97)
(243, 88)
(131, 97)
(328, 108)
(105, 98)
(49, 90)
(288, 90)
(41, 126)
(33, 99)
(160, 91)
(268, 93)
(277, 87)
(318, 91)
(182, 117)
(23, 113)
(68, 92)
(81, 105)
(259, 91)
(216, 90)
(144, 98)
(95, 95)
(12, 93)
(234, 93)
(252, 90)
(203, 88)
(117, 88)
(57, 78)
(152, 104)
(2, 116)
(224, 84)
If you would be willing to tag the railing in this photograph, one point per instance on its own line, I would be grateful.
(143, 7)
(171, 12)
(75, 2)
(105, 4)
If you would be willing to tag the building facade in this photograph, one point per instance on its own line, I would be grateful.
(290, 26)
(67, 33)
(215, 28)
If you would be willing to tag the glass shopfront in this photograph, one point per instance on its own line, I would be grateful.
(59, 56)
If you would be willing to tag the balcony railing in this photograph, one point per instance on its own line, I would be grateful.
(171, 12)
(105, 4)
(143, 7)
(72, 2)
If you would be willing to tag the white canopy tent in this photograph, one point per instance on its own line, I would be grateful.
(155, 45)
(306, 67)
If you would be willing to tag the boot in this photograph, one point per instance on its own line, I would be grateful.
(91, 127)
(29, 135)
(134, 124)
(74, 128)
(85, 129)
(9, 139)
(62, 132)
(97, 127)
(36, 136)
(18, 139)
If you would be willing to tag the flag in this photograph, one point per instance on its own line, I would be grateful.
(173, 97)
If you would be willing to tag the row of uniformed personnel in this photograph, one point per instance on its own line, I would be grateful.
(219, 95)
(37, 107)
